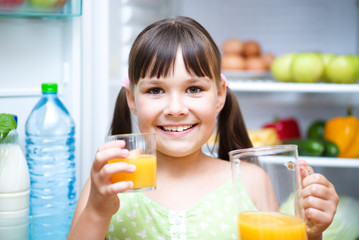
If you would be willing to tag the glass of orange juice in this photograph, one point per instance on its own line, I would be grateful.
(278, 213)
(142, 148)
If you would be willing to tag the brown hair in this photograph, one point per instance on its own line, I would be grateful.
(153, 55)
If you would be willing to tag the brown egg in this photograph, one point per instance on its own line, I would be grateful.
(232, 46)
(251, 48)
(268, 59)
(233, 62)
(255, 64)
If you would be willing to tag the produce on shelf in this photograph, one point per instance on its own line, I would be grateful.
(268, 59)
(11, 4)
(304, 67)
(314, 147)
(308, 147)
(316, 131)
(264, 137)
(288, 132)
(258, 137)
(330, 148)
(255, 63)
(346, 220)
(47, 4)
(344, 132)
(343, 69)
(232, 46)
(245, 55)
(307, 67)
(233, 62)
(7, 123)
(326, 58)
(312, 67)
(251, 48)
(281, 67)
(287, 128)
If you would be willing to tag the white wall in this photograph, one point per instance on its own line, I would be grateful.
(281, 26)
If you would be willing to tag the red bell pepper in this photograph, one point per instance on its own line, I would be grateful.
(287, 128)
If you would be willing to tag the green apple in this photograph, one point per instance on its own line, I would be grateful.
(356, 60)
(343, 69)
(326, 58)
(48, 4)
(281, 67)
(307, 67)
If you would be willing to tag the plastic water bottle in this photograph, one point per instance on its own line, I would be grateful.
(50, 153)
(14, 188)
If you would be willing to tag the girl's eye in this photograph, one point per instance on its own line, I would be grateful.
(155, 91)
(194, 90)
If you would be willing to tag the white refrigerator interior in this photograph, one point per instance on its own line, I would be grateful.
(33, 51)
(87, 57)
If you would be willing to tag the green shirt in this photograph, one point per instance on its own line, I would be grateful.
(213, 217)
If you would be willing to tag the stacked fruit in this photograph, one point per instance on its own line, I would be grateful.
(311, 67)
(245, 55)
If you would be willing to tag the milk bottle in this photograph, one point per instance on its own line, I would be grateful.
(14, 187)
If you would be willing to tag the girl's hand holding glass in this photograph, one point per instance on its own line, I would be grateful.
(142, 154)
(320, 200)
(103, 194)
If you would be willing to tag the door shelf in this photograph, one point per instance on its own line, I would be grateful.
(268, 85)
(44, 9)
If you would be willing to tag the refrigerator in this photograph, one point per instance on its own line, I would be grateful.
(84, 48)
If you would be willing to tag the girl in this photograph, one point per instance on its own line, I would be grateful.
(176, 91)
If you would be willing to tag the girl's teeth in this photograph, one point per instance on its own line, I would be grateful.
(177, 129)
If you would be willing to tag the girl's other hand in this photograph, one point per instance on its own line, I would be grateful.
(103, 193)
(320, 201)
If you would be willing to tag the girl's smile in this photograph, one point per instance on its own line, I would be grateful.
(177, 129)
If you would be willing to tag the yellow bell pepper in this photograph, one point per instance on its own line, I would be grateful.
(344, 132)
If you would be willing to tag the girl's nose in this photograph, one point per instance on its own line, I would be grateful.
(176, 106)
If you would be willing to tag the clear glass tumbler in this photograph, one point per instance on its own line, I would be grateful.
(142, 148)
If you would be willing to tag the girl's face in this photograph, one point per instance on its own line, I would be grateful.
(181, 109)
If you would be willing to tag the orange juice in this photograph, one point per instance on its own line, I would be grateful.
(145, 174)
(270, 226)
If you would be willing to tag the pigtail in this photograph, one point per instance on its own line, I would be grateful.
(121, 121)
(231, 130)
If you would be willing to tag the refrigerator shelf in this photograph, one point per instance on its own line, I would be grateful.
(20, 92)
(267, 85)
(332, 162)
(25, 92)
(48, 9)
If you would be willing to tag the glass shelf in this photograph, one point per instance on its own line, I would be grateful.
(269, 85)
(332, 162)
(41, 8)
